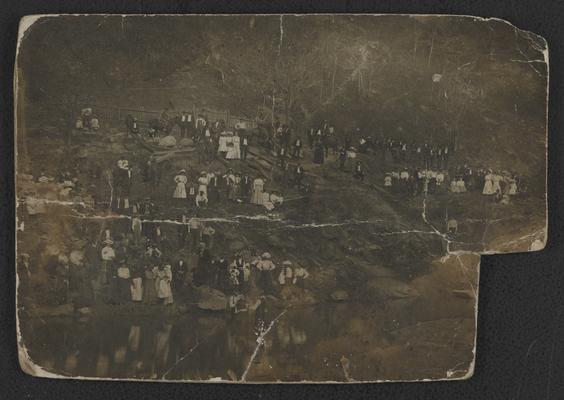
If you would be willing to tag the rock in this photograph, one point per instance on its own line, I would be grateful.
(25, 177)
(236, 245)
(374, 247)
(296, 297)
(76, 257)
(276, 241)
(339, 295)
(463, 294)
(85, 310)
(211, 299)
(35, 206)
(389, 288)
(53, 311)
(117, 148)
(324, 279)
(185, 142)
(167, 141)
(82, 153)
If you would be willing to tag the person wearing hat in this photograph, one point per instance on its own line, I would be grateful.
(136, 227)
(257, 192)
(358, 171)
(185, 122)
(122, 180)
(342, 158)
(123, 283)
(195, 226)
(244, 147)
(488, 184)
(149, 285)
(246, 183)
(131, 124)
(203, 183)
(108, 255)
(207, 236)
(235, 188)
(300, 273)
(286, 273)
(318, 152)
(460, 185)
(227, 182)
(163, 274)
(146, 208)
(201, 199)
(214, 182)
(388, 181)
(266, 267)
(496, 183)
(243, 268)
(440, 178)
(235, 149)
(180, 180)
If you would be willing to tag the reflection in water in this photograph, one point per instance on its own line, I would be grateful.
(303, 344)
(191, 347)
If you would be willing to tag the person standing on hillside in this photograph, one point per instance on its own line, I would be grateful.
(180, 190)
(318, 152)
(108, 255)
(358, 171)
(258, 188)
(297, 148)
(201, 124)
(299, 175)
(184, 124)
(244, 147)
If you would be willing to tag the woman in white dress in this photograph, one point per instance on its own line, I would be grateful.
(222, 147)
(496, 179)
(488, 185)
(460, 185)
(388, 181)
(236, 149)
(257, 194)
(180, 180)
(203, 183)
(163, 277)
(231, 152)
(512, 191)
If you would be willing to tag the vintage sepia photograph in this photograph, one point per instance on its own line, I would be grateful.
(269, 198)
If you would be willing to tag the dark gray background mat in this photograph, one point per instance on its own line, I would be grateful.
(520, 348)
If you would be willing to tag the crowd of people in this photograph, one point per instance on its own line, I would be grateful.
(142, 265)
(418, 181)
(87, 120)
(142, 262)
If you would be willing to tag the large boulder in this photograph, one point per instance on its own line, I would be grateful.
(293, 296)
(237, 245)
(340, 295)
(167, 141)
(76, 257)
(35, 206)
(186, 142)
(211, 299)
(389, 288)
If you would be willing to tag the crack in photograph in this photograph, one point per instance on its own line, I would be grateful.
(269, 198)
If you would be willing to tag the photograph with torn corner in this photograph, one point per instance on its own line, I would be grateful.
(270, 198)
